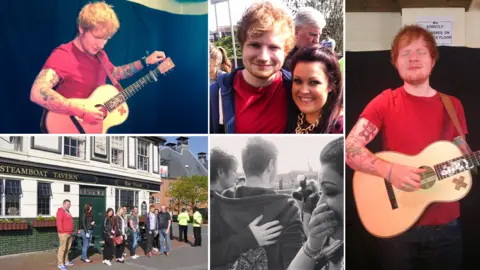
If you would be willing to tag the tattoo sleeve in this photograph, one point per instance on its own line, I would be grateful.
(127, 71)
(358, 157)
(43, 94)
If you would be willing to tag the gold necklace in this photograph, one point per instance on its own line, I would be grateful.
(300, 130)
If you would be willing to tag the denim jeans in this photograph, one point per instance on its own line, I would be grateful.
(164, 237)
(435, 247)
(86, 243)
(135, 237)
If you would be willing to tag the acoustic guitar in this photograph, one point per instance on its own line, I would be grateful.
(109, 100)
(386, 211)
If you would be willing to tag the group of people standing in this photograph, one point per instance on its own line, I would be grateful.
(289, 82)
(115, 228)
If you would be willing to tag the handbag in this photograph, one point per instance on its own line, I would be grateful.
(117, 239)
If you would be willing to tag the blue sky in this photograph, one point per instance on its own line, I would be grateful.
(196, 143)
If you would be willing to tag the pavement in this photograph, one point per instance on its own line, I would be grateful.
(183, 256)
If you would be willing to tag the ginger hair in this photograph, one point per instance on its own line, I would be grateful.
(261, 18)
(98, 15)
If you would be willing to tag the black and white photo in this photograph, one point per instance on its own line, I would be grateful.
(277, 202)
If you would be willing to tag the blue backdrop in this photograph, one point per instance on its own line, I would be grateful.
(178, 103)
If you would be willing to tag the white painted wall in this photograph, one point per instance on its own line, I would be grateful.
(40, 156)
(374, 31)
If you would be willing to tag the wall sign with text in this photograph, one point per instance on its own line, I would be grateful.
(441, 29)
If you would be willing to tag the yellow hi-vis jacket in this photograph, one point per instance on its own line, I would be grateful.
(197, 219)
(183, 219)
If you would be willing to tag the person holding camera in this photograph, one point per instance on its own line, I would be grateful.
(324, 246)
(308, 196)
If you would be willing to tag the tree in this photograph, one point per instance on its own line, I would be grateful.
(333, 12)
(227, 44)
(189, 190)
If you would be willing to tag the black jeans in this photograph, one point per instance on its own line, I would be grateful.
(182, 230)
(107, 248)
(120, 249)
(197, 232)
(150, 236)
(424, 247)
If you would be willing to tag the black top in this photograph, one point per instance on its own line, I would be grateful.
(163, 219)
(107, 226)
(87, 222)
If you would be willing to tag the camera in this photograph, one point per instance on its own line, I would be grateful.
(304, 190)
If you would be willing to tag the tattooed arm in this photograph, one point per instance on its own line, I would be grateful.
(358, 157)
(43, 94)
(127, 71)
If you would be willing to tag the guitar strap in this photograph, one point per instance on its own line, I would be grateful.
(112, 79)
(447, 102)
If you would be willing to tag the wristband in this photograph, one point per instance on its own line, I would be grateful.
(144, 61)
(316, 256)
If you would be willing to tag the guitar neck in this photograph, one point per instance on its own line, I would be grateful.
(130, 91)
(457, 165)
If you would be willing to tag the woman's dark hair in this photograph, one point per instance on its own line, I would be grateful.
(108, 210)
(333, 106)
(333, 154)
(86, 209)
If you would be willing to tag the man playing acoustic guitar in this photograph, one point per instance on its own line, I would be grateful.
(75, 69)
(401, 115)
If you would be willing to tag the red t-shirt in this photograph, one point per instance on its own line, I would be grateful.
(409, 124)
(260, 110)
(81, 72)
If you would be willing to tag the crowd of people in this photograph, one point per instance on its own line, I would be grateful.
(117, 229)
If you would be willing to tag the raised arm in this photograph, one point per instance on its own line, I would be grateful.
(127, 71)
(42, 93)
(358, 157)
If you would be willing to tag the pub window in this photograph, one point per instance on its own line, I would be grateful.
(11, 191)
(88, 190)
(66, 188)
(44, 193)
(74, 147)
(142, 155)
(117, 150)
(157, 200)
(127, 198)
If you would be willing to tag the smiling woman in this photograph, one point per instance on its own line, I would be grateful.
(317, 91)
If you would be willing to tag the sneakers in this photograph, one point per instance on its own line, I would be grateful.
(87, 260)
(134, 257)
(61, 267)
(68, 264)
(107, 262)
(167, 254)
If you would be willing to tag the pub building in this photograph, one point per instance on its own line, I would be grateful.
(37, 173)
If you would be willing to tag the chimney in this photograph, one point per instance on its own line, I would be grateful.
(171, 145)
(182, 143)
(202, 157)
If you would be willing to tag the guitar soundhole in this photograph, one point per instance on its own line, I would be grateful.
(103, 109)
(428, 178)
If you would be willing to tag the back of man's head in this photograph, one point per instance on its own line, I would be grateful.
(257, 156)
